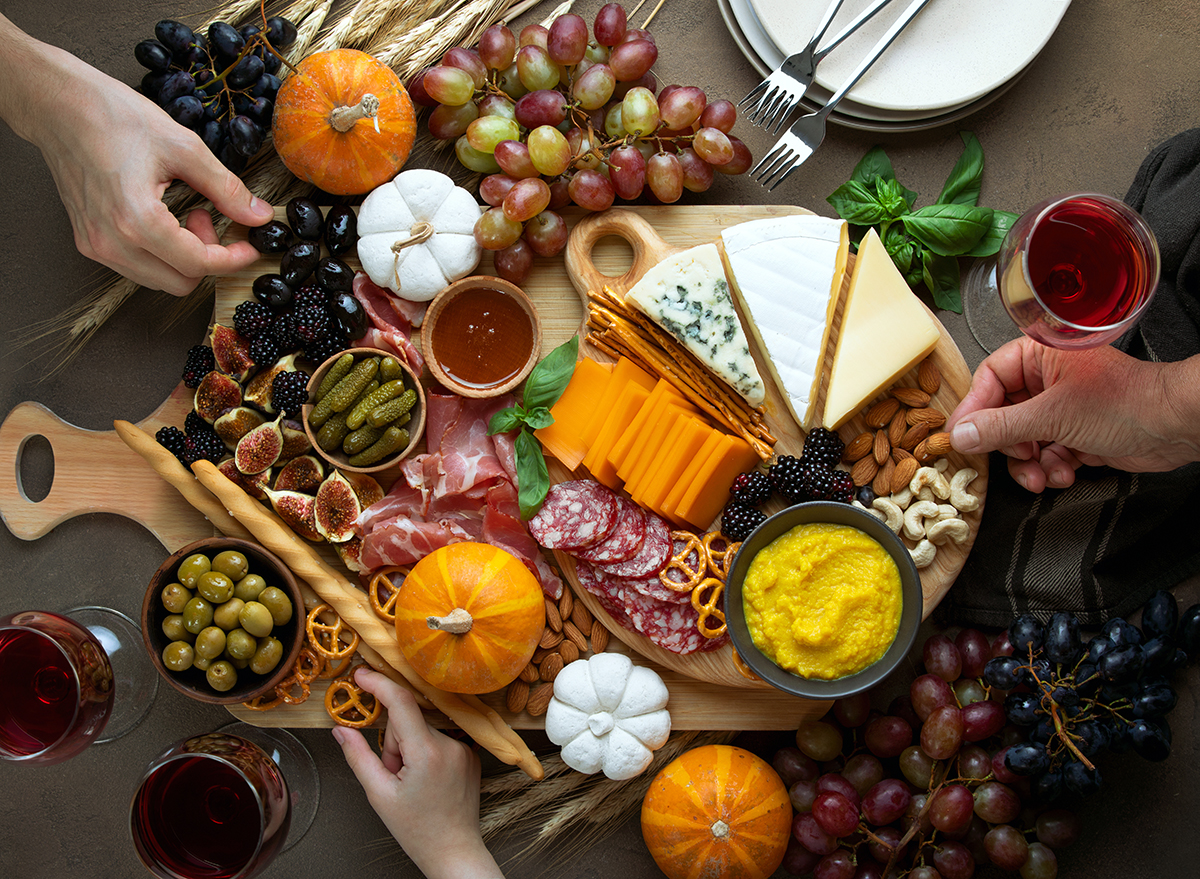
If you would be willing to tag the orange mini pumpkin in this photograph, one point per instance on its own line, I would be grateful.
(344, 122)
(469, 616)
(717, 811)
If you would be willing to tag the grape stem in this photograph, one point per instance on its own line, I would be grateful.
(1059, 726)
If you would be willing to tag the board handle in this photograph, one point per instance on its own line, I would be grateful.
(648, 250)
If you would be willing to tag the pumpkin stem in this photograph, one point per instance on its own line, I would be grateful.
(418, 234)
(720, 829)
(457, 622)
(343, 118)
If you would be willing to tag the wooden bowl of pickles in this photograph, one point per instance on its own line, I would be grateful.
(366, 410)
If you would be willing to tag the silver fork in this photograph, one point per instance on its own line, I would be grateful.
(778, 94)
(806, 133)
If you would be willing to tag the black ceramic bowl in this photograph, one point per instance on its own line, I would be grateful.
(837, 514)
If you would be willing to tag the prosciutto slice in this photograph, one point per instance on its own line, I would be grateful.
(391, 323)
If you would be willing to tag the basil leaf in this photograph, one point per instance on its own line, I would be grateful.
(941, 276)
(891, 197)
(538, 417)
(533, 479)
(504, 421)
(948, 229)
(856, 203)
(966, 178)
(549, 378)
(993, 238)
(901, 253)
(874, 164)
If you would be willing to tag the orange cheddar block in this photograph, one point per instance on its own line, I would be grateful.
(658, 442)
(623, 373)
(685, 438)
(709, 491)
(712, 440)
(634, 438)
(574, 410)
(617, 420)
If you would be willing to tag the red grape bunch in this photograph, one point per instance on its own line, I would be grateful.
(553, 118)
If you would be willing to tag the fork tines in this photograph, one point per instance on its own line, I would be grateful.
(775, 103)
(788, 154)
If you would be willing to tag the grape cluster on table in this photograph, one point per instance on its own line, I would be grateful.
(221, 84)
(553, 118)
(988, 756)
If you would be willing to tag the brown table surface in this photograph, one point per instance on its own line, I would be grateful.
(1115, 80)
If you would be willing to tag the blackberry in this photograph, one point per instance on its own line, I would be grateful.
(195, 423)
(738, 520)
(289, 391)
(283, 331)
(265, 349)
(200, 362)
(843, 487)
(823, 446)
(817, 480)
(174, 441)
(204, 445)
(312, 323)
(251, 318)
(786, 475)
(309, 296)
(752, 488)
(322, 349)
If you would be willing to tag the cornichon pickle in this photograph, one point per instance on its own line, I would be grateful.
(393, 440)
(361, 439)
(340, 369)
(333, 432)
(390, 370)
(392, 409)
(375, 399)
(345, 392)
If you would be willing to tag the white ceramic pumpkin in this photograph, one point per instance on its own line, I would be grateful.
(417, 234)
(609, 715)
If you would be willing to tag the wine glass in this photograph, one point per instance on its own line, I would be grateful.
(69, 680)
(1075, 271)
(220, 806)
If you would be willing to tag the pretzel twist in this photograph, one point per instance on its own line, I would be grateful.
(346, 703)
(326, 637)
(383, 592)
(689, 575)
(709, 606)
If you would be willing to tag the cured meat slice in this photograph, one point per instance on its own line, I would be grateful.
(670, 625)
(652, 587)
(608, 592)
(575, 515)
(654, 554)
(625, 540)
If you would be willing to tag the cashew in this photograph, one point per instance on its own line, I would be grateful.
(946, 511)
(959, 496)
(902, 498)
(949, 529)
(893, 516)
(941, 464)
(923, 553)
(932, 478)
(925, 494)
(878, 514)
(914, 518)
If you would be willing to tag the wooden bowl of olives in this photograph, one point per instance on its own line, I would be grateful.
(223, 620)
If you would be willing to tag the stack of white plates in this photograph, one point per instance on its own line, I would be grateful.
(954, 58)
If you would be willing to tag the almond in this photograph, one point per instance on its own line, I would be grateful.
(581, 617)
(517, 696)
(932, 417)
(883, 448)
(912, 397)
(566, 604)
(529, 674)
(572, 632)
(541, 653)
(553, 620)
(905, 471)
(883, 480)
(599, 637)
(899, 454)
(551, 639)
(938, 443)
(921, 453)
(929, 377)
(864, 470)
(881, 413)
(914, 435)
(568, 651)
(858, 448)
(550, 667)
(897, 427)
(539, 699)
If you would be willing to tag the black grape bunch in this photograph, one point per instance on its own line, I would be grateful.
(221, 84)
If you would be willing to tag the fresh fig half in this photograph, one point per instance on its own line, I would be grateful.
(366, 488)
(216, 394)
(260, 448)
(296, 511)
(336, 509)
(232, 352)
(304, 473)
(252, 484)
(235, 424)
(295, 440)
(258, 389)
(350, 552)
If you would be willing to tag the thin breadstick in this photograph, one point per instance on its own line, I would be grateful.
(350, 604)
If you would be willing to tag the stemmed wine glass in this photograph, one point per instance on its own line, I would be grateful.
(69, 680)
(1075, 271)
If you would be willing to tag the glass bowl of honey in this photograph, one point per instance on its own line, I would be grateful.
(481, 336)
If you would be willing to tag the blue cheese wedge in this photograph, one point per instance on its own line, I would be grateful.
(787, 273)
(687, 295)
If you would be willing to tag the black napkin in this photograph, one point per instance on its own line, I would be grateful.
(1102, 546)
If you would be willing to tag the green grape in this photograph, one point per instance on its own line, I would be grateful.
(509, 81)
(595, 87)
(613, 125)
(482, 163)
(536, 69)
(548, 150)
(449, 85)
(639, 111)
(495, 231)
(448, 123)
(487, 131)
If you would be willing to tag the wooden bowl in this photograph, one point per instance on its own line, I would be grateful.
(416, 425)
(489, 361)
(193, 682)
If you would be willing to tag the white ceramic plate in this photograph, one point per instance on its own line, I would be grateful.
(953, 52)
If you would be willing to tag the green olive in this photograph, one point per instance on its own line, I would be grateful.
(240, 644)
(215, 586)
(225, 614)
(178, 656)
(249, 587)
(197, 615)
(210, 643)
(239, 664)
(231, 563)
(174, 629)
(201, 663)
(175, 596)
(267, 656)
(278, 603)
(222, 676)
(191, 568)
(256, 619)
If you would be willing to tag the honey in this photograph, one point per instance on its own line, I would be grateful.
(482, 338)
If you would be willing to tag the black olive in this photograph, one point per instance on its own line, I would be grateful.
(334, 276)
(299, 262)
(272, 290)
(341, 229)
(306, 219)
(349, 314)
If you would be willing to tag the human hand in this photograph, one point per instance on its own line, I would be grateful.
(1052, 411)
(425, 788)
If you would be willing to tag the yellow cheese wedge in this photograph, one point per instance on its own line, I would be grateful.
(885, 332)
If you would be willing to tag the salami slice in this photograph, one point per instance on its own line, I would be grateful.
(608, 592)
(650, 559)
(625, 540)
(575, 515)
(672, 626)
(653, 587)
